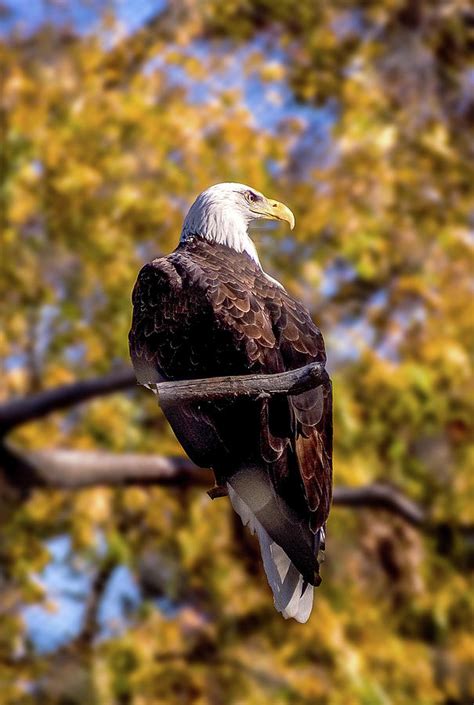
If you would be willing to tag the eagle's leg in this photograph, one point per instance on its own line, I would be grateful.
(219, 489)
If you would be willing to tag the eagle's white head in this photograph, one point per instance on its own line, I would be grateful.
(222, 213)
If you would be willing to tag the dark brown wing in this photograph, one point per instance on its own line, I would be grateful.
(166, 341)
(156, 291)
(309, 426)
(314, 451)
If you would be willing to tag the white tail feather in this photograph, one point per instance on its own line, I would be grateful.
(291, 596)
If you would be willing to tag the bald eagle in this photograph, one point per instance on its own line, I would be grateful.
(209, 309)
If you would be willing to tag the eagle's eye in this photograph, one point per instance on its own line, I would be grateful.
(251, 196)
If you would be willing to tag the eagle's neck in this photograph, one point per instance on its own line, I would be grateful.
(217, 225)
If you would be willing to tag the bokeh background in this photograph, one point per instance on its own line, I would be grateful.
(359, 116)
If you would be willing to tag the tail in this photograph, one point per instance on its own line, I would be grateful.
(288, 550)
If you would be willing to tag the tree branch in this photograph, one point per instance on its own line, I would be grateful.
(90, 624)
(75, 469)
(381, 496)
(20, 411)
(213, 388)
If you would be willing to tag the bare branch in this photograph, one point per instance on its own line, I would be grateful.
(380, 496)
(20, 411)
(90, 623)
(75, 469)
(213, 388)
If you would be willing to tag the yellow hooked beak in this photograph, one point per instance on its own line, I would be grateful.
(273, 210)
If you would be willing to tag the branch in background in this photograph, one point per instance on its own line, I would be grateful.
(74, 469)
(380, 496)
(90, 625)
(20, 411)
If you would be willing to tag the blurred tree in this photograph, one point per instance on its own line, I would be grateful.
(108, 135)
